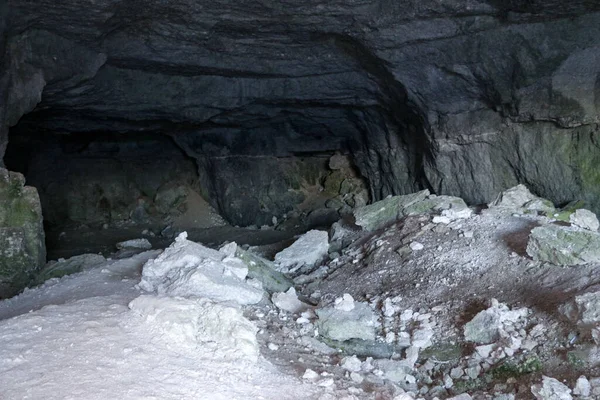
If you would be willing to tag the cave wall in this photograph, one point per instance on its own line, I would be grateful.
(463, 97)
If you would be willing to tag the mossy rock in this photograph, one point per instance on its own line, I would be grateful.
(22, 247)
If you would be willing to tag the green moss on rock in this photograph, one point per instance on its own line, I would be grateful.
(22, 248)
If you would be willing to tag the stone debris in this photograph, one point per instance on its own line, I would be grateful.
(135, 244)
(189, 269)
(308, 250)
(584, 310)
(564, 245)
(551, 389)
(264, 271)
(346, 323)
(582, 387)
(384, 212)
(584, 219)
(520, 199)
(289, 301)
(200, 322)
(75, 264)
(489, 325)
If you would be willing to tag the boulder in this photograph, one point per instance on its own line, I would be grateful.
(520, 199)
(564, 245)
(135, 244)
(264, 271)
(585, 309)
(381, 213)
(73, 265)
(584, 219)
(189, 269)
(343, 323)
(308, 250)
(22, 245)
(488, 325)
(551, 389)
(384, 212)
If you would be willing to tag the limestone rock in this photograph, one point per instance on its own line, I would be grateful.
(22, 246)
(308, 250)
(487, 326)
(189, 269)
(551, 389)
(584, 219)
(582, 387)
(289, 301)
(357, 323)
(138, 244)
(520, 199)
(563, 245)
(381, 213)
(60, 268)
(264, 271)
(585, 309)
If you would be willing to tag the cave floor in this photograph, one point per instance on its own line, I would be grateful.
(66, 243)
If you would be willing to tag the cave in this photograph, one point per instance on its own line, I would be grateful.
(254, 122)
(256, 106)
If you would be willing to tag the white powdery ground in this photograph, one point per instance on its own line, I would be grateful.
(84, 342)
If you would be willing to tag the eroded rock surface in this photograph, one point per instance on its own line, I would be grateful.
(22, 247)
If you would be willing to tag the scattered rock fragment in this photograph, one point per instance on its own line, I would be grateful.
(551, 389)
(344, 323)
(289, 301)
(135, 244)
(488, 325)
(582, 387)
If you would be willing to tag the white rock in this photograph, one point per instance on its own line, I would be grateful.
(389, 309)
(584, 219)
(456, 372)
(310, 375)
(485, 350)
(288, 301)
(200, 322)
(488, 325)
(448, 382)
(473, 372)
(582, 387)
(358, 323)
(141, 244)
(422, 337)
(308, 250)
(273, 346)
(352, 364)
(344, 303)
(356, 377)
(416, 246)
(327, 382)
(438, 219)
(189, 269)
(551, 389)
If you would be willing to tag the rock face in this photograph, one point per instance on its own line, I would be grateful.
(463, 98)
(22, 247)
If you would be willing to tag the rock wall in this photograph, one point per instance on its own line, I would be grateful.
(22, 247)
(460, 97)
